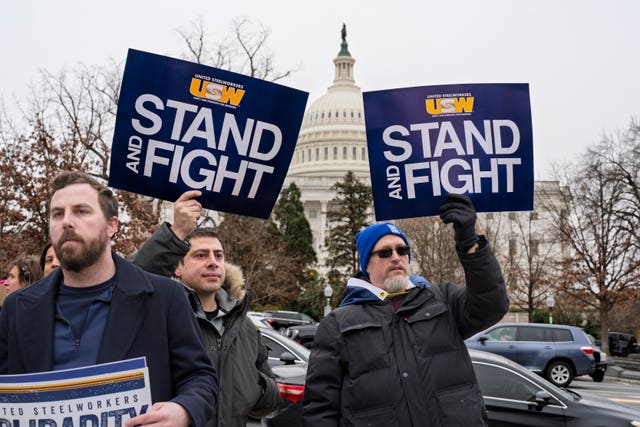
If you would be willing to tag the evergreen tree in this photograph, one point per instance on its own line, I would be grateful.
(294, 226)
(347, 215)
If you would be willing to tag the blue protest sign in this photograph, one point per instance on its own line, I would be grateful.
(183, 126)
(426, 142)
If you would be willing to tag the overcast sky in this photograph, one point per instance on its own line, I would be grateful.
(581, 58)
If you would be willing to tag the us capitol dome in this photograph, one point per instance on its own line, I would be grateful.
(332, 141)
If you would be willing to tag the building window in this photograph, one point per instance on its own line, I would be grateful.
(535, 247)
(344, 153)
(364, 153)
(335, 153)
(313, 213)
(326, 153)
(302, 156)
(512, 216)
(490, 215)
(512, 247)
(317, 154)
(534, 216)
(354, 154)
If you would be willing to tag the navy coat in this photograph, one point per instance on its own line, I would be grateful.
(149, 316)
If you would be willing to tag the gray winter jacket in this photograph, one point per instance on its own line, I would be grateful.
(246, 383)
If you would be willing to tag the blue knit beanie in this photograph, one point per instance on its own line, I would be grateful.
(367, 239)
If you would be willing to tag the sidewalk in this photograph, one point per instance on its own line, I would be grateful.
(623, 367)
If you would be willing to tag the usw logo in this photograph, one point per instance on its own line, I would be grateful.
(216, 92)
(450, 105)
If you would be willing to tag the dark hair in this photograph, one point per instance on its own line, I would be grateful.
(204, 232)
(43, 255)
(107, 200)
(29, 270)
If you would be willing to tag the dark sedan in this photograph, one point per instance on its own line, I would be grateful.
(303, 334)
(288, 359)
(515, 396)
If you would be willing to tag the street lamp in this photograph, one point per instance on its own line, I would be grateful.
(328, 291)
(551, 301)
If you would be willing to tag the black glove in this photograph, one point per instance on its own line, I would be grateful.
(459, 210)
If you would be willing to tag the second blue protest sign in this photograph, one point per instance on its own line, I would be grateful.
(182, 126)
(425, 142)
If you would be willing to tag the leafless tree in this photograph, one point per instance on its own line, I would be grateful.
(622, 153)
(601, 270)
(530, 268)
(245, 51)
(70, 118)
(433, 253)
(257, 247)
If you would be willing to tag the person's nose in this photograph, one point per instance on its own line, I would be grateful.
(212, 261)
(67, 221)
(395, 257)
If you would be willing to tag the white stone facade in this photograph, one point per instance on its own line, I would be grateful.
(332, 141)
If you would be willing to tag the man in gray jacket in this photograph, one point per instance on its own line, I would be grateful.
(393, 353)
(235, 347)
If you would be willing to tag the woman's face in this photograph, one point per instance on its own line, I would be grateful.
(50, 261)
(12, 282)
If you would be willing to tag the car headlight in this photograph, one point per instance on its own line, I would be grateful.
(635, 423)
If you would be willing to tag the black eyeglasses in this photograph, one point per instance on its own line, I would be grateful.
(387, 252)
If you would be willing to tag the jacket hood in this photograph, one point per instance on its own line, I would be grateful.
(359, 290)
(234, 281)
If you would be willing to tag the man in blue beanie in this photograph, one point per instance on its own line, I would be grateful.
(393, 353)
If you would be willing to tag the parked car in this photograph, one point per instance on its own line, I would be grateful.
(283, 350)
(282, 319)
(288, 361)
(557, 352)
(258, 318)
(601, 360)
(514, 396)
(290, 380)
(302, 334)
(622, 344)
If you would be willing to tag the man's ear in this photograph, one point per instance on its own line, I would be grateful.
(178, 271)
(112, 226)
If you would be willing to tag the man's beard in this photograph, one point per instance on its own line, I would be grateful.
(396, 284)
(76, 259)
